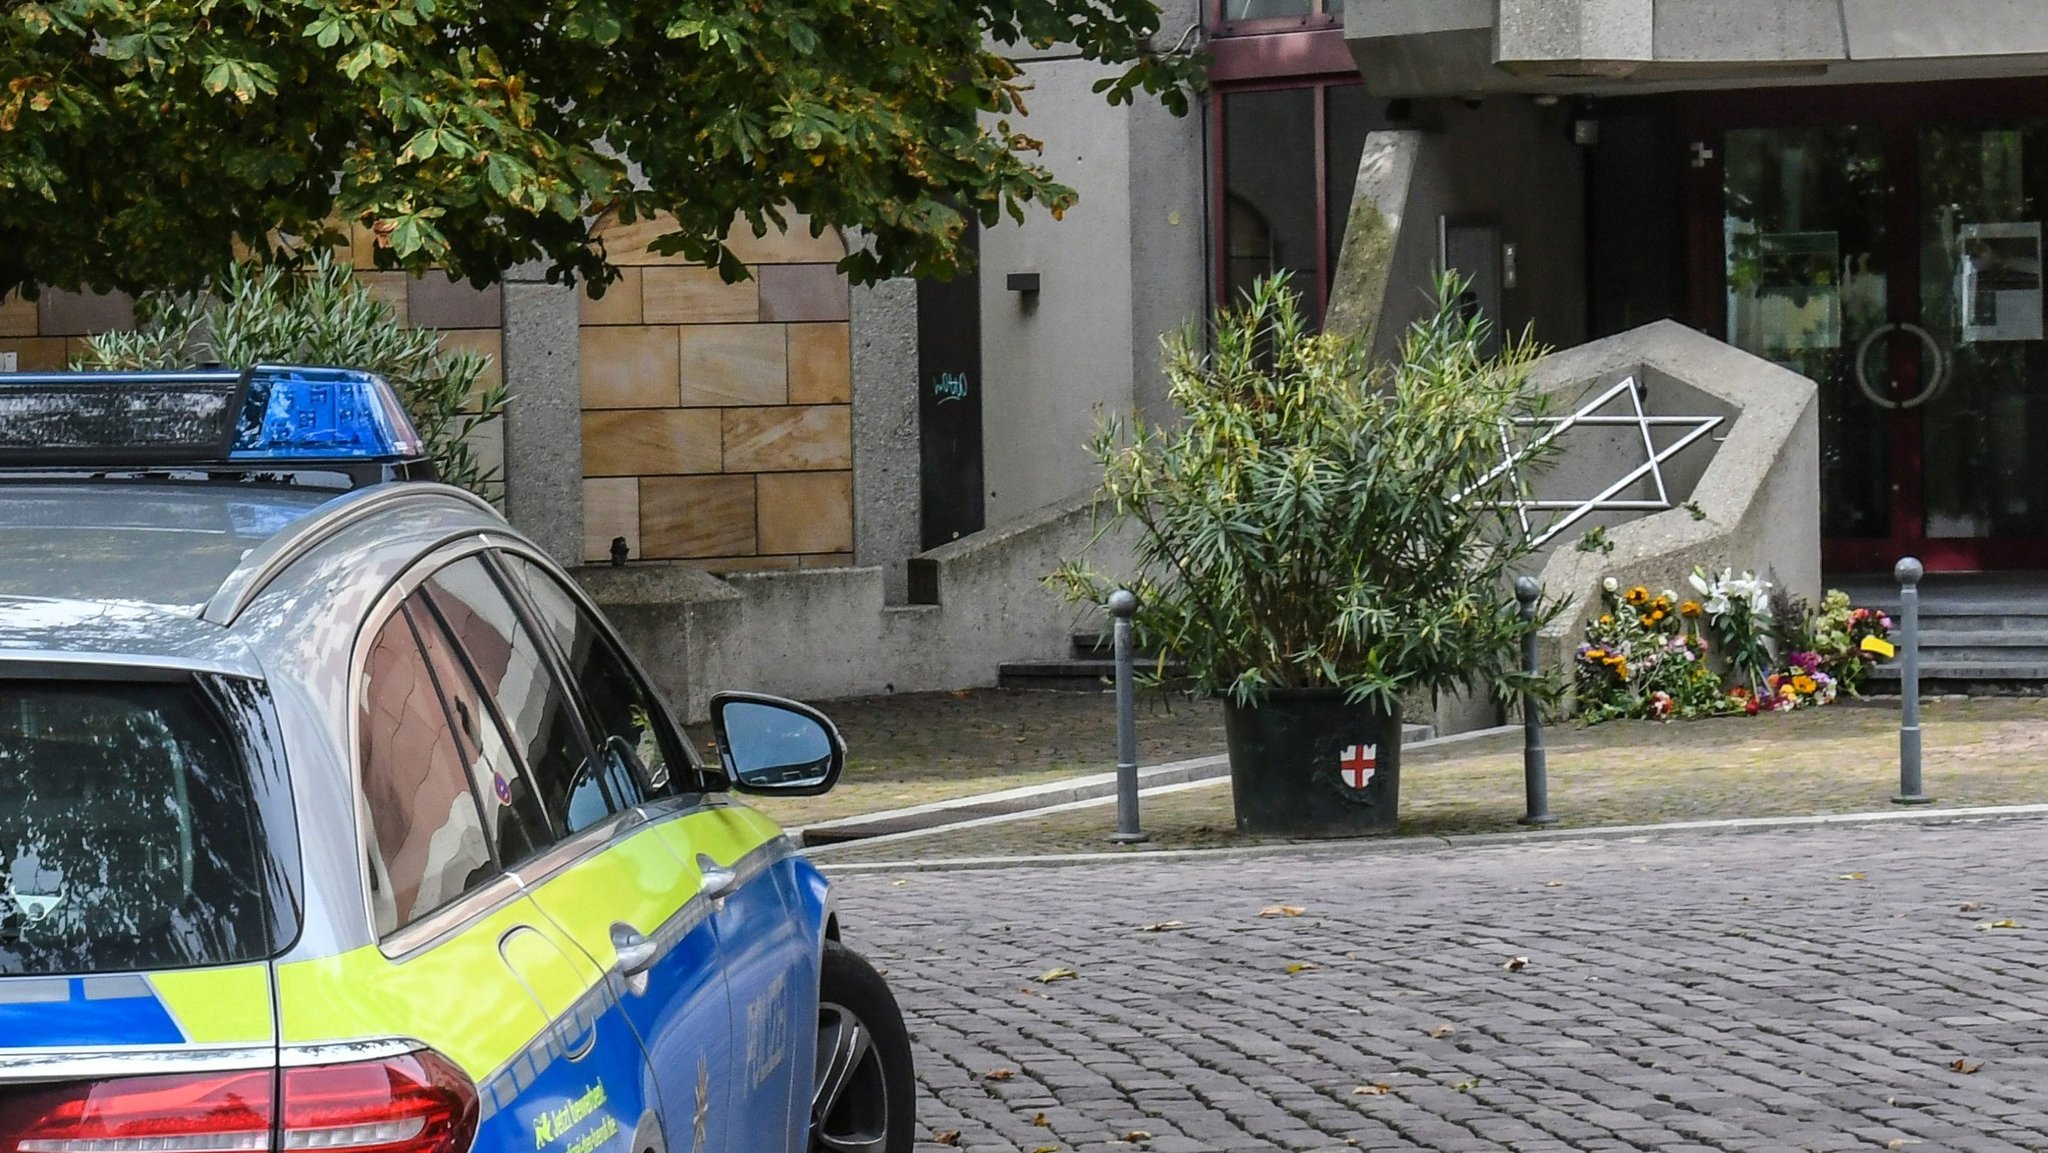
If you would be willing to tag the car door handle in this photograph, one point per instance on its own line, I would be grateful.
(719, 881)
(637, 952)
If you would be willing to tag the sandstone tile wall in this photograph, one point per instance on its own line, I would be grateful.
(47, 333)
(717, 430)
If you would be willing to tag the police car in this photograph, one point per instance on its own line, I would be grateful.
(333, 817)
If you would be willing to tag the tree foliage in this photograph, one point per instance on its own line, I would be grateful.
(1317, 521)
(140, 140)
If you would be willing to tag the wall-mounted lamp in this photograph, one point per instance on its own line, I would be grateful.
(1024, 282)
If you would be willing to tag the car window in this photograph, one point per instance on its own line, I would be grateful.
(628, 723)
(128, 836)
(510, 664)
(513, 818)
(426, 833)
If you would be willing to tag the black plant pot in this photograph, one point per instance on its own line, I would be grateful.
(1303, 763)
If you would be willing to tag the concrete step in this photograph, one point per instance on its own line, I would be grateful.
(1978, 619)
(1949, 669)
(1999, 646)
(1102, 647)
(1949, 637)
(1074, 674)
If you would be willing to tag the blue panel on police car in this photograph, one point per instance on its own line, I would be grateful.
(321, 414)
(60, 1012)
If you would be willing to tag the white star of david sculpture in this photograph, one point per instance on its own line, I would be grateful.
(1590, 414)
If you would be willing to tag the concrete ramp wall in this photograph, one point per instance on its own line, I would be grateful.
(1748, 498)
(824, 633)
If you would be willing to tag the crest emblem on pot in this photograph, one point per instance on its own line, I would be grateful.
(1356, 765)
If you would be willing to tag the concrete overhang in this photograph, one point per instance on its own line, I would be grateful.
(1475, 47)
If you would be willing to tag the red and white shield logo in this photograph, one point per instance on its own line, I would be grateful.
(1357, 764)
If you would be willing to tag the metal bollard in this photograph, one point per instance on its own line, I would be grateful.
(1535, 769)
(1909, 571)
(1122, 604)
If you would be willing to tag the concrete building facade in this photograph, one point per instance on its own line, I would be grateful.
(1851, 190)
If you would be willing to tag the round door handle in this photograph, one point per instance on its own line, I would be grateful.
(1936, 377)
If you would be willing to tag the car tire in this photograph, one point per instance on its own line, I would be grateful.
(864, 1095)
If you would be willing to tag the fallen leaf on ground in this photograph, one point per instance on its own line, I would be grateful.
(898, 884)
(1374, 1090)
(999, 1074)
(1515, 964)
(1047, 1149)
(1162, 927)
(1442, 1031)
(962, 694)
(1060, 974)
(1040, 1121)
(1135, 1136)
(1467, 1086)
(946, 1137)
(1282, 911)
(1553, 884)
(1858, 876)
(1973, 906)
(2008, 923)
(1027, 992)
(1962, 1066)
(1300, 966)
(1900, 1142)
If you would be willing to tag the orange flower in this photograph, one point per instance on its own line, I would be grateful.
(1804, 684)
(1689, 609)
(1637, 595)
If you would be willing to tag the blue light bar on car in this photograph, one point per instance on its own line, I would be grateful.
(287, 414)
(321, 414)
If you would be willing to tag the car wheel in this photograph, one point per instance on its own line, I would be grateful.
(863, 1099)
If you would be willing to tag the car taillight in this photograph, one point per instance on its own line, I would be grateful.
(174, 1113)
(416, 1103)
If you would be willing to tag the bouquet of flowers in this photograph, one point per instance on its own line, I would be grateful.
(1738, 608)
(1800, 684)
(1644, 657)
(1849, 640)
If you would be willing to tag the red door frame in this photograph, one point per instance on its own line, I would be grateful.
(1219, 223)
(1899, 110)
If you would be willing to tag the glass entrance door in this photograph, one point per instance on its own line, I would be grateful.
(1984, 422)
(1806, 228)
(1897, 262)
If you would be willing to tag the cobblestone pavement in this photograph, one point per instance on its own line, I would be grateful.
(1815, 989)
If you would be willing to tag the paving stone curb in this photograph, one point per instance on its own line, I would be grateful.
(868, 829)
(1399, 844)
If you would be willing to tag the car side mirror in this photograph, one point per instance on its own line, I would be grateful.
(777, 747)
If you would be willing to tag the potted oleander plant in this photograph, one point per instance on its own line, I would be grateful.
(1320, 537)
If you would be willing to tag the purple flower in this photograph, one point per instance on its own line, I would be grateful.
(1808, 663)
